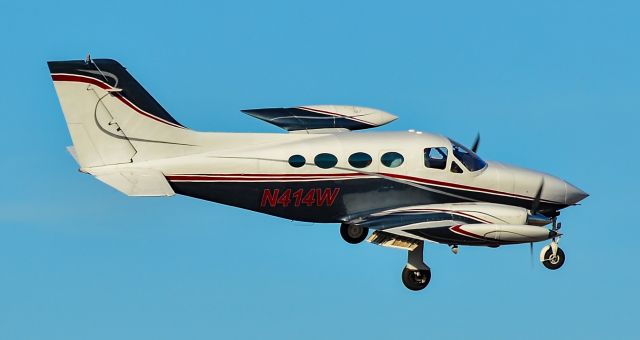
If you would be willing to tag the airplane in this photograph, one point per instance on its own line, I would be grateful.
(405, 187)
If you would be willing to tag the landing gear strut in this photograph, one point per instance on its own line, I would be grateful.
(416, 274)
(352, 233)
(551, 255)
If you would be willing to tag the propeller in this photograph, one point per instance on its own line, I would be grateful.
(536, 200)
(531, 253)
(476, 144)
(534, 209)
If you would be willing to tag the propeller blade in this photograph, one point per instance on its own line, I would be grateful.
(536, 199)
(476, 144)
(531, 253)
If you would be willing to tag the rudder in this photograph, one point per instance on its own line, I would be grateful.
(112, 119)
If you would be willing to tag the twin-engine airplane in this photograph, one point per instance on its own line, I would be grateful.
(408, 187)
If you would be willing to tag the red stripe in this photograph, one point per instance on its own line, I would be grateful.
(457, 229)
(279, 175)
(202, 179)
(241, 178)
(453, 185)
(103, 85)
(80, 79)
(328, 176)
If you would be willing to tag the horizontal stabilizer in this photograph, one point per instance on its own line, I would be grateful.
(73, 153)
(136, 182)
(323, 117)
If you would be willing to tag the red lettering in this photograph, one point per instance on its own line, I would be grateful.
(297, 195)
(327, 197)
(267, 197)
(309, 198)
(285, 198)
(317, 196)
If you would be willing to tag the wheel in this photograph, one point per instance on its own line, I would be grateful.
(415, 279)
(353, 233)
(552, 262)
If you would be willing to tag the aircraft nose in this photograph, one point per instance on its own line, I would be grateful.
(574, 194)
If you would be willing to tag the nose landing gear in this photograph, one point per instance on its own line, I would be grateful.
(551, 256)
(550, 260)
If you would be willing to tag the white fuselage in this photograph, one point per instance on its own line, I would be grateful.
(231, 159)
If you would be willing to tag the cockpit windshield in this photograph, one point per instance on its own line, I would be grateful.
(470, 160)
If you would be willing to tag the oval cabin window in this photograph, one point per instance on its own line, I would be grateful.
(360, 160)
(392, 159)
(297, 161)
(325, 160)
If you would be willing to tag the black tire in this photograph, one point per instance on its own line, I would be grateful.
(353, 234)
(554, 263)
(415, 279)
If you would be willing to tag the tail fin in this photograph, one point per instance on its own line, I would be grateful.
(112, 119)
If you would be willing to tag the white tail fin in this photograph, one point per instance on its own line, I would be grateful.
(112, 119)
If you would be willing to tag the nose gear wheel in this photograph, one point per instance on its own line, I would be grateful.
(551, 261)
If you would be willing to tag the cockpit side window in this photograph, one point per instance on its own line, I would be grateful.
(467, 157)
(435, 158)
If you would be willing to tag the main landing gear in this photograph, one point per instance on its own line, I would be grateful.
(416, 275)
(352, 233)
(551, 256)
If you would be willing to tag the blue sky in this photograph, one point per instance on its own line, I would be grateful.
(551, 85)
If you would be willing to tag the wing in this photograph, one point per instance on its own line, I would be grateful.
(454, 224)
(323, 118)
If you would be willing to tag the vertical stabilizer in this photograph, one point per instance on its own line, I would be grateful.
(112, 119)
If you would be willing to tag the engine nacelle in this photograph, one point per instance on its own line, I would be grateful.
(482, 212)
(504, 233)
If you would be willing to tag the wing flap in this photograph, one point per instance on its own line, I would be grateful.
(385, 239)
